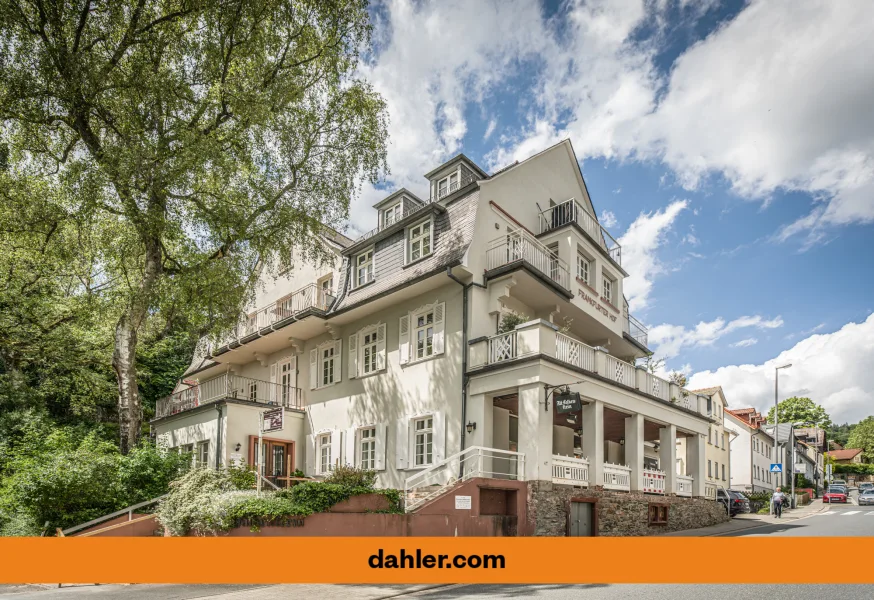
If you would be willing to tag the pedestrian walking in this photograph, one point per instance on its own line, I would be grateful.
(777, 500)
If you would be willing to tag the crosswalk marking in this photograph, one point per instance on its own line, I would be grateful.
(868, 514)
(851, 512)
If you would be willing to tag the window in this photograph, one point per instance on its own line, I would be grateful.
(326, 289)
(328, 366)
(607, 289)
(709, 469)
(325, 365)
(420, 241)
(368, 353)
(424, 335)
(253, 390)
(447, 185)
(424, 441)
(367, 448)
(583, 266)
(202, 457)
(723, 471)
(391, 215)
(658, 514)
(325, 463)
(709, 435)
(364, 268)
(286, 378)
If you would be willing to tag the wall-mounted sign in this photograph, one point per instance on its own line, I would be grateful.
(273, 420)
(596, 305)
(463, 503)
(567, 402)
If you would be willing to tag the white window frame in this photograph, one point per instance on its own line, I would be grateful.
(408, 333)
(456, 175)
(424, 328)
(359, 350)
(607, 287)
(395, 211)
(327, 365)
(369, 351)
(412, 239)
(427, 436)
(582, 260)
(367, 264)
(366, 447)
(201, 454)
(325, 460)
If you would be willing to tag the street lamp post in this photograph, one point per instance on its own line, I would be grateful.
(777, 412)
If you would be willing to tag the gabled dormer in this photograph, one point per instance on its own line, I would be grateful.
(455, 174)
(394, 208)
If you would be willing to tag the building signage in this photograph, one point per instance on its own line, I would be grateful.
(463, 503)
(567, 402)
(597, 305)
(272, 420)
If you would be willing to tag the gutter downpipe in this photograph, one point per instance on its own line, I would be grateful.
(464, 379)
(218, 445)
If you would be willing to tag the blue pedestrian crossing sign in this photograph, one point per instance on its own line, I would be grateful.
(776, 467)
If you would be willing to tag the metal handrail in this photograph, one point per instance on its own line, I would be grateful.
(129, 510)
(463, 181)
(571, 211)
(232, 386)
(406, 211)
(519, 245)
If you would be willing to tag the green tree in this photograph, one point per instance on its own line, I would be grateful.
(862, 437)
(198, 138)
(801, 410)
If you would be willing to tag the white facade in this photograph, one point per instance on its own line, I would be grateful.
(751, 456)
(368, 351)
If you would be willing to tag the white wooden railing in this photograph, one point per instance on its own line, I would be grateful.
(502, 347)
(617, 477)
(684, 485)
(476, 461)
(570, 211)
(574, 352)
(656, 386)
(619, 370)
(710, 490)
(570, 470)
(654, 481)
(519, 245)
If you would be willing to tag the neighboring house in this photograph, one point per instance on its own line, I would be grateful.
(718, 469)
(806, 462)
(389, 356)
(847, 456)
(752, 451)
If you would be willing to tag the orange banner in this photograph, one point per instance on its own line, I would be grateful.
(418, 560)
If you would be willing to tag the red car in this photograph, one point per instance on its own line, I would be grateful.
(835, 495)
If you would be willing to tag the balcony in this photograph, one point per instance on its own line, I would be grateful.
(572, 212)
(229, 386)
(309, 297)
(407, 209)
(520, 247)
(539, 337)
(635, 329)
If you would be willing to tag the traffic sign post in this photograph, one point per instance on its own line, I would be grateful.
(776, 467)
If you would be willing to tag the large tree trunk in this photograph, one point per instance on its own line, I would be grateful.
(124, 363)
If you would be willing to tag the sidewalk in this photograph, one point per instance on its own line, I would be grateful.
(741, 522)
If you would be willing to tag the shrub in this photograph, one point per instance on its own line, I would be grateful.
(352, 477)
(192, 501)
(242, 477)
(509, 320)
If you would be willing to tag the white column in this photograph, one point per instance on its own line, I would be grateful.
(668, 456)
(593, 440)
(535, 432)
(634, 449)
(696, 457)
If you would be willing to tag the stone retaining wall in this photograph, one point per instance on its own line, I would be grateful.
(618, 513)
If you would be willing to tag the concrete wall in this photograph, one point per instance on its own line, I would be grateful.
(191, 428)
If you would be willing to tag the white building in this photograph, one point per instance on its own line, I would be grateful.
(390, 356)
(752, 452)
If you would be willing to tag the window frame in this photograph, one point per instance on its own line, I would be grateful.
(373, 346)
(607, 287)
(201, 454)
(410, 240)
(657, 514)
(583, 258)
(369, 264)
(416, 328)
(369, 442)
(427, 433)
(322, 445)
(397, 212)
(327, 364)
(448, 180)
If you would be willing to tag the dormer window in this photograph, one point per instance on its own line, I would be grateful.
(391, 214)
(420, 241)
(364, 268)
(447, 185)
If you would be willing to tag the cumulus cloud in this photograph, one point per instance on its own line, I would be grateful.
(669, 341)
(639, 245)
(835, 370)
(608, 219)
(745, 343)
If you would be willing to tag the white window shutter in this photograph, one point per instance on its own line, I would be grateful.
(351, 457)
(439, 318)
(404, 339)
(311, 453)
(353, 356)
(338, 361)
(272, 395)
(381, 433)
(439, 425)
(402, 443)
(273, 373)
(336, 447)
(380, 347)
(314, 369)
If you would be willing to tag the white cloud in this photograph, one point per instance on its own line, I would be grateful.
(490, 129)
(639, 245)
(745, 343)
(608, 219)
(690, 239)
(835, 370)
(669, 341)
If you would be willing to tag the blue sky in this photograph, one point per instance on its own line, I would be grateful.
(729, 144)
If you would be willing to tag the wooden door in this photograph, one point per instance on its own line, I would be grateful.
(582, 522)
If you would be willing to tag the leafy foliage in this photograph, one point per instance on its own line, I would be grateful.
(509, 320)
(801, 410)
(352, 477)
(862, 437)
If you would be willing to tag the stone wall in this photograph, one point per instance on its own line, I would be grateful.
(618, 513)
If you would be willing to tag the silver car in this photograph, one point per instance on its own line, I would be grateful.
(867, 498)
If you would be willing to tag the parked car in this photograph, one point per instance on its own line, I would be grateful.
(842, 482)
(866, 485)
(841, 488)
(867, 497)
(835, 494)
(733, 502)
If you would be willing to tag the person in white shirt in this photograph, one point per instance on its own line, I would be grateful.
(777, 500)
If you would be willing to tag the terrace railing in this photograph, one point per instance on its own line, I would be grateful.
(229, 386)
(519, 245)
(571, 211)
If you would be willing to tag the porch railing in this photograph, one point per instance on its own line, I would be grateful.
(476, 461)
(571, 211)
(502, 347)
(574, 352)
(519, 245)
(619, 370)
(710, 490)
(617, 477)
(229, 386)
(570, 470)
(684, 485)
(654, 481)
(311, 296)
(655, 386)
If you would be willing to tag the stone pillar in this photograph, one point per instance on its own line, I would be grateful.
(668, 456)
(634, 449)
(696, 459)
(593, 440)
(535, 432)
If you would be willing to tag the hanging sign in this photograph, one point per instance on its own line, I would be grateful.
(273, 420)
(567, 402)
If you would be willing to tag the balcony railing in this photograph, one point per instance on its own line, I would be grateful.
(684, 485)
(570, 211)
(654, 386)
(311, 296)
(619, 370)
(710, 490)
(502, 347)
(519, 245)
(654, 481)
(455, 186)
(574, 352)
(636, 330)
(229, 386)
(407, 209)
(617, 477)
(570, 470)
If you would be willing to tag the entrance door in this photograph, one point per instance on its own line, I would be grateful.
(581, 519)
(287, 382)
(276, 459)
